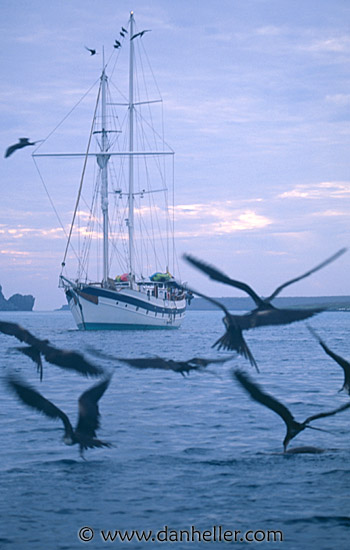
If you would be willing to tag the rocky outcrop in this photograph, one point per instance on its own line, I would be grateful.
(17, 302)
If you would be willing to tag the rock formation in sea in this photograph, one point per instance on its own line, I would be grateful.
(17, 302)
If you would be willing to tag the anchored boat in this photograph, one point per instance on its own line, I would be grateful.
(132, 231)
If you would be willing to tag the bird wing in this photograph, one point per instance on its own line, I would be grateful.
(329, 413)
(275, 316)
(203, 362)
(12, 149)
(34, 399)
(340, 360)
(23, 335)
(88, 420)
(320, 266)
(208, 298)
(258, 395)
(70, 360)
(146, 362)
(217, 275)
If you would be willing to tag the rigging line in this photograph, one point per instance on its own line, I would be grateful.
(64, 118)
(82, 178)
(49, 197)
(52, 204)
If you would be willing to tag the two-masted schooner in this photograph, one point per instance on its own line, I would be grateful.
(131, 156)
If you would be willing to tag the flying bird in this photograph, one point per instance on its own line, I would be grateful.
(343, 363)
(23, 142)
(84, 434)
(232, 339)
(36, 348)
(140, 34)
(265, 313)
(92, 52)
(293, 427)
(183, 367)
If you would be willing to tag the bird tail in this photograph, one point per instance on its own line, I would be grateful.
(319, 429)
(233, 340)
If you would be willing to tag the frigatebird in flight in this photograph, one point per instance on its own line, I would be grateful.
(183, 367)
(92, 52)
(140, 34)
(343, 363)
(293, 427)
(36, 348)
(23, 142)
(265, 313)
(84, 434)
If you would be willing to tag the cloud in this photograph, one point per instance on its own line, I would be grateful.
(14, 253)
(332, 44)
(336, 190)
(20, 232)
(213, 219)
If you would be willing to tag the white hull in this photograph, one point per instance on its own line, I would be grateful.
(95, 308)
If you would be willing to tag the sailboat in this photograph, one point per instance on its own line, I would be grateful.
(128, 298)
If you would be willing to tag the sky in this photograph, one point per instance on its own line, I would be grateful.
(257, 108)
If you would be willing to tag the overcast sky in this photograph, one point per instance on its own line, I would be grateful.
(257, 109)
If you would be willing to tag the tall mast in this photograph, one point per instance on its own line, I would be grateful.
(102, 162)
(131, 157)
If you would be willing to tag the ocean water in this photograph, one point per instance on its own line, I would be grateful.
(192, 457)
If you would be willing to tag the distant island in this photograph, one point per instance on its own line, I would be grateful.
(331, 303)
(17, 302)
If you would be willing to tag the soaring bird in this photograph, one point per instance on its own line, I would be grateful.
(232, 339)
(293, 427)
(183, 367)
(140, 34)
(37, 348)
(343, 363)
(23, 142)
(92, 52)
(265, 313)
(84, 433)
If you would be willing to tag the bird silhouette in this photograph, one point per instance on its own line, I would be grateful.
(36, 348)
(343, 363)
(218, 275)
(265, 313)
(117, 44)
(84, 434)
(140, 34)
(23, 142)
(124, 30)
(183, 367)
(293, 427)
(92, 52)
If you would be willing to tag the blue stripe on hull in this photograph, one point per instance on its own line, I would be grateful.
(120, 297)
(112, 326)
